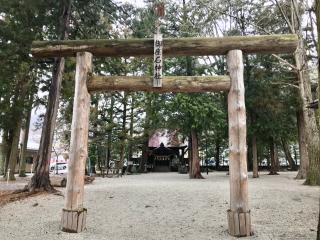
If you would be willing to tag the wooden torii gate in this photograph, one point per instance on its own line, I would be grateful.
(239, 220)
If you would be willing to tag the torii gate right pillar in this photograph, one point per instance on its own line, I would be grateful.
(239, 220)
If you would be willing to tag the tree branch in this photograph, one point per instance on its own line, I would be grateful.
(285, 62)
(285, 17)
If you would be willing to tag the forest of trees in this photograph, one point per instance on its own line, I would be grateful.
(279, 88)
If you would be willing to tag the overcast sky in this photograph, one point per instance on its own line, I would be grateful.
(138, 3)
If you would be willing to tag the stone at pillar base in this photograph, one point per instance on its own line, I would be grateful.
(239, 223)
(73, 221)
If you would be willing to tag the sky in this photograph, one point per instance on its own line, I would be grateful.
(137, 3)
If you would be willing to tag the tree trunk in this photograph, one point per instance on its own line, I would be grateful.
(146, 134)
(40, 179)
(14, 150)
(145, 154)
(273, 159)
(3, 153)
(109, 141)
(8, 145)
(276, 157)
(130, 152)
(123, 138)
(309, 117)
(303, 151)
(287, 153)
(190, 155)
(217, 157)
(19, 99)
(255, 156)
(195, 164)
(318, 232)
(317, 3)
(24, 147)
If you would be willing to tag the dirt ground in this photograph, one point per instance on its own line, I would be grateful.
(169, 206)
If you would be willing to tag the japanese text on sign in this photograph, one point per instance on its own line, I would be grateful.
(157, 61)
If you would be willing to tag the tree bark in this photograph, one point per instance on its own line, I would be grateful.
(14, 150)
(40, 179)
(3, 153)
(287, 153)
(254, 156)
(312, 133)
(239, 222)
(78, 148)
(145, 154)
(309, 116)
(190, 155)
(130, 151)
(169, 83)
(110, 131)
(123, 137)
(171, 46)
(303, 151)
(273, 159)
(146, 134)
(24, 147)
(318, 231)
(18, 102)
(8, 145)
(317, 7)
(195, 164)
(217, 157)
(276, 157)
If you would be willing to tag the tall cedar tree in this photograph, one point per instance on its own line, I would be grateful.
(317, 6)
(40, 179)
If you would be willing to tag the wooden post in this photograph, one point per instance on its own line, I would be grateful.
(239, 214)
(169, 83)
(74, 214)
(171, 46)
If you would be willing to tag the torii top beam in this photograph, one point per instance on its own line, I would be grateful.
(171, 46)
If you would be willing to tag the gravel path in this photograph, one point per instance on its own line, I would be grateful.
(169, 206)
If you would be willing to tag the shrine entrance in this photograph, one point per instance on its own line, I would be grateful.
(165, 159)
(239, 221)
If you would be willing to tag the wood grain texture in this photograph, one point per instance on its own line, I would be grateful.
(73, 221)
(169, 83)
(237, 142)
(239, 223)
(79, 134)
(171, 46)
(255, 167)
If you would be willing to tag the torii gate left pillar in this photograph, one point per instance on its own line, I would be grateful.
(74, 214)
(239, 219)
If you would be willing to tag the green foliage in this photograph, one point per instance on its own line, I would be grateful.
(271, 95)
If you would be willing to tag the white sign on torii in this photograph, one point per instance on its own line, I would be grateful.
(158, 45)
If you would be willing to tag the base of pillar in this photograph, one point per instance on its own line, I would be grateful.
(239, 223)
(73, 221)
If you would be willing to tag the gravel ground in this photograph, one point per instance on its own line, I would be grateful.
(19, 184)
(169, 206)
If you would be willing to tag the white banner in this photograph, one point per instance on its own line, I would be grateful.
(157, 61)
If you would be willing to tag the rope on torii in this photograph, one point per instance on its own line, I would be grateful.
(159, 10)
